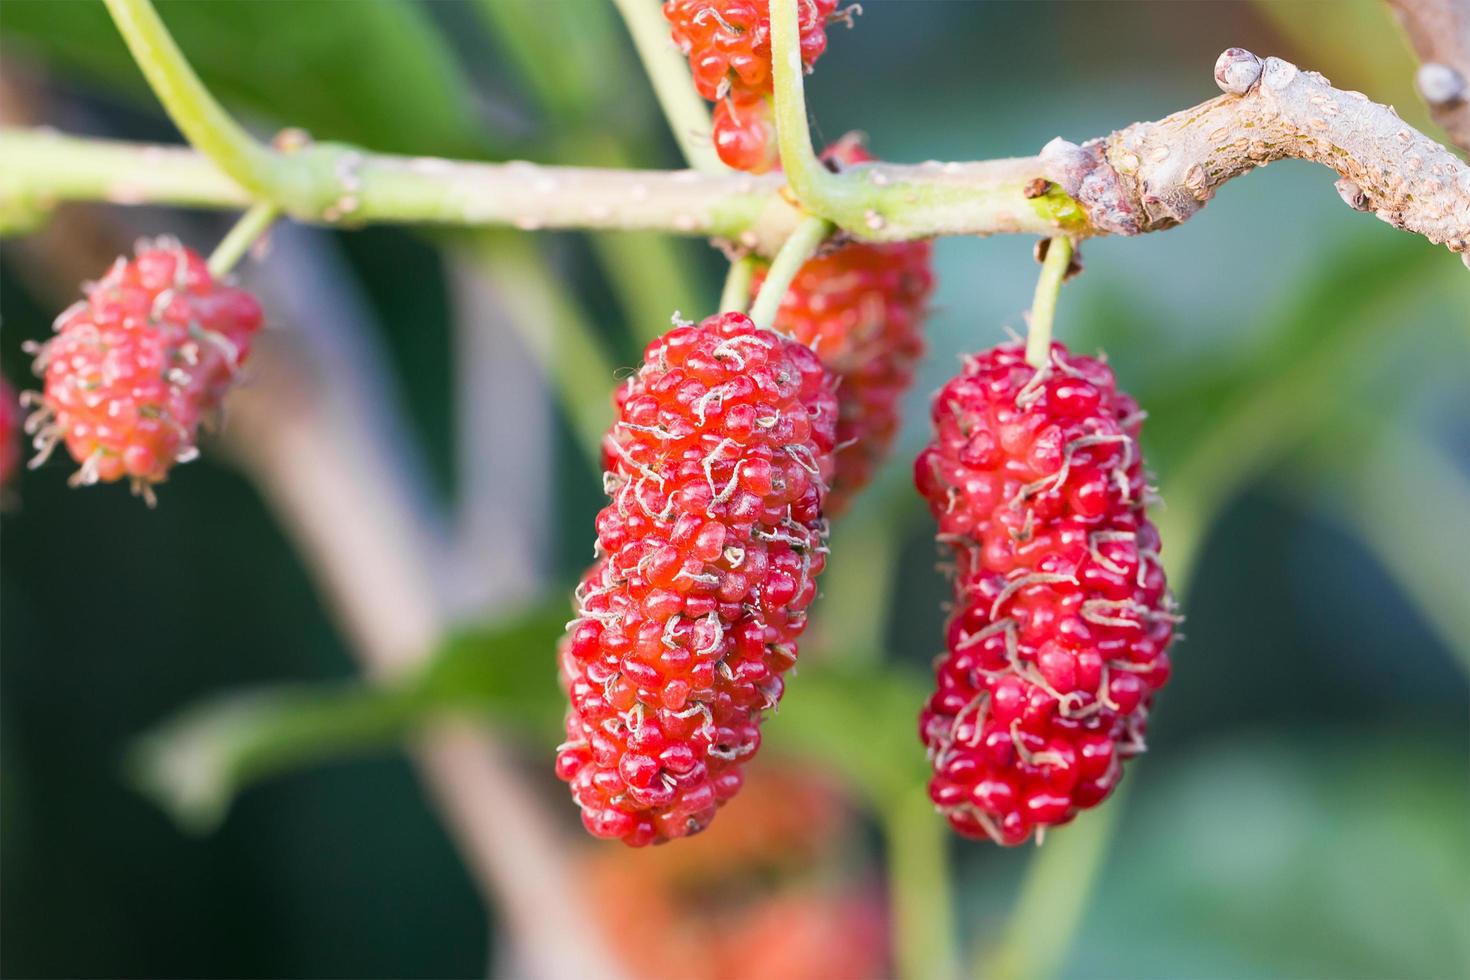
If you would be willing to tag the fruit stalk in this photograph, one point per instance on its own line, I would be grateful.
(1044, 305)
(247, 231)
(802, 244)
(669, 74)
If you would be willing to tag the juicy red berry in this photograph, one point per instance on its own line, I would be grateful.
(745, 133)
(1062, 620)
(9, 433)
(861, 308)
(728, 44)
(137, 366)
(708, 555)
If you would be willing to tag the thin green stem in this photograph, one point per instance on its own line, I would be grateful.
(336, 183)
(1044, 305)
(1054, 895)
(735, 297)
(247, 231)
(812, 183)
(554, 328)
(201, 119)
(920, 902)
(668, 72)
(801, 246)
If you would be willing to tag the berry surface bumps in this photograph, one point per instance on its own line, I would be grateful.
(1062, 621)
(728, 44)
(138, 365)
(707, 559)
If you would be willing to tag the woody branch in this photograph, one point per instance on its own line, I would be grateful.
(1145, 177)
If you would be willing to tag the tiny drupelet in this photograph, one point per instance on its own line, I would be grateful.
(139, 364)
(707, 559)
(861, 307)
(1062, 620)
(728, 44)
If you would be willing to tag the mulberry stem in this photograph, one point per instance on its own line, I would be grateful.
(813, 184)
(247, 231)
(1044, 305)
(802, 244)
(201, 119)
(1054, 893)
(735, 297)
(669, 74)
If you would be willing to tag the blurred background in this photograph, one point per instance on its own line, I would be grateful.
(1303, 808)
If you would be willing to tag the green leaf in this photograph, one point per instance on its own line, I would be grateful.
(374, 72)
(195, 764)
(826, 707)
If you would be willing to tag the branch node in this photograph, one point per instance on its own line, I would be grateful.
(1440, 85)
(1085, 173)
(1352, 195)
(1236, 70)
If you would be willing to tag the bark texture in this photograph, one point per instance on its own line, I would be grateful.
(1153, 175)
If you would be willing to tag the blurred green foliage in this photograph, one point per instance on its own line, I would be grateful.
(377, 73)
(1302, 810)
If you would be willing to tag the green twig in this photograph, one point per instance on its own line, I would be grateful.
(668, 72)
(813, 184)
(1044, 305)
(735, 297)
(252, 224)
(199, 117)
(1053, 897)
(920, 905)
(983, 198)
(802, 244)
(574, 357)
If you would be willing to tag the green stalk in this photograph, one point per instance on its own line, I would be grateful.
(668, 72)
(921, 906)
(554, 328)
(813, 184)
(1044, 305)
(252, 224)
(735, 297)
(201, 119)
(1054, 896)
(801, 246)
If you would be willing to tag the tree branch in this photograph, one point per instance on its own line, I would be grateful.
(1439, 30)
(1146, 177)
(1155, 175)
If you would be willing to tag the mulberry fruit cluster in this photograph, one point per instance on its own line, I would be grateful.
(1062, 621)
(139, 364)
(728, 44)
(708, 556)
(861, 308)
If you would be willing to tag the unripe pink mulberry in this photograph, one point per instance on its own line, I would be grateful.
(1062, 618)
(137, 366)
(708, 556)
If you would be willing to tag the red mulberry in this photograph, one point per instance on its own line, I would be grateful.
(9, 434)
(708, 555)
(728, 44)
(861, 308)
(137, 366)
(1062, 618)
